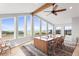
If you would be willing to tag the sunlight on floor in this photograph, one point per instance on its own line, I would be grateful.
(17, 51)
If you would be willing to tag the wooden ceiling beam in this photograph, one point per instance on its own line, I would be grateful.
(46, 5)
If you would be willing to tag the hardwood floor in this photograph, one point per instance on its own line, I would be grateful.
(16, 51)
(76, 51)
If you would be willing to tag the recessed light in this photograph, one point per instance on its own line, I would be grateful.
(70, 7)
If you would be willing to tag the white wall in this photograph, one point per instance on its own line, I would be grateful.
(56, 19)
(75, 27)
(9, 8)
(61, 21)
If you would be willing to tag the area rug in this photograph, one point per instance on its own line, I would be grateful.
(30, 50)
(26, 51)
(64, 51)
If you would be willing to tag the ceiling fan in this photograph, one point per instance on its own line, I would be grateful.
(55, 10)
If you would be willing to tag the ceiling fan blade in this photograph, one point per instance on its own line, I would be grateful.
(53, 4)
(60, 10)
(54, 8)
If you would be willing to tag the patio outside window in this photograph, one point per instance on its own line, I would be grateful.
(36, 26)
(20, 26)
(8, 28)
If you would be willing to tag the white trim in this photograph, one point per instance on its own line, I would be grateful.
(25, 26)
(62, 31)
(14, 14)
(47, 27)
(32, 26)
(54, 30)
(0, 28)
(15, 27)
(40, 27)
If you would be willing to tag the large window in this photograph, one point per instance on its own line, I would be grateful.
(29, 25)
(8, 28)
(58, 30)
(68, 30)
(20, 26)
(43, 27)
(50, 29)
(36, 26)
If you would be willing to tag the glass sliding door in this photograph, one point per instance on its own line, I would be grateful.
(29, 24)
(43, 28)
(36, 26)
(20, 26)
(8, 28)
(50, 29)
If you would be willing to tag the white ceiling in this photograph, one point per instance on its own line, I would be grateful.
(63, 17)
(6, 8)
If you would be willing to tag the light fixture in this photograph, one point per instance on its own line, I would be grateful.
(70, 7)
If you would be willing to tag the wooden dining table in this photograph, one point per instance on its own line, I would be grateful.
(42, 43)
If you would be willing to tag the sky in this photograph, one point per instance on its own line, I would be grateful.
(8, 23)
